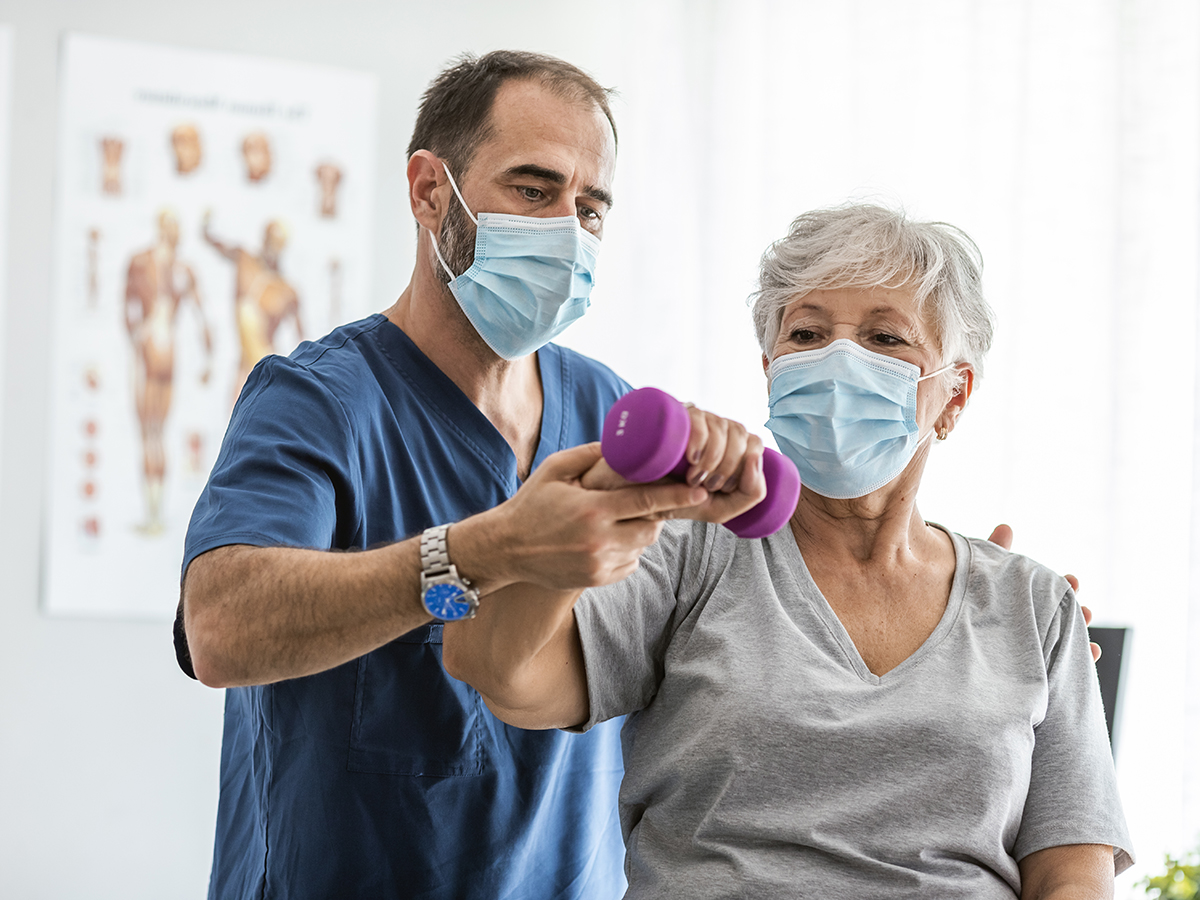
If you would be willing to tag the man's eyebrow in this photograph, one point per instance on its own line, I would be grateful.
(556, 177)
(599, 195)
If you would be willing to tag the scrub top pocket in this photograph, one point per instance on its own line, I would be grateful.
(410, 717)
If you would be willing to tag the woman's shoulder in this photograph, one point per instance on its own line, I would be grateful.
(1012, 582)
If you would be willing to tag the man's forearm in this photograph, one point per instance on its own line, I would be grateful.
(254, 615)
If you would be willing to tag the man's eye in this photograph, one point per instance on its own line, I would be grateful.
(586, 212)
(531, 193)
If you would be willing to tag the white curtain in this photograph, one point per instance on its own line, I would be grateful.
(1062, 135)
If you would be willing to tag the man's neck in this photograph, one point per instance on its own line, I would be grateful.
(507, 392)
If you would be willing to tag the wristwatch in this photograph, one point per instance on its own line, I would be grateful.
(447, 596)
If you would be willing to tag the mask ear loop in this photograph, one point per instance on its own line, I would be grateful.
(474, 221)
(458, 194)
(945, 368)
(932, 431)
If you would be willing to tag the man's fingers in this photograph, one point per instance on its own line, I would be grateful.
(601, 477)
(1074, 583)
(569, 464)
(1003, 536)
(1087, 618)
(652, 501)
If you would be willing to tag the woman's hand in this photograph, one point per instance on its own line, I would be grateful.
(725, 459)
(719, 450)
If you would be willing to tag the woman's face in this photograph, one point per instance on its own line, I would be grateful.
(883, 320)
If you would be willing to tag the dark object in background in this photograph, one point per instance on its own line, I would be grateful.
(1108, 668)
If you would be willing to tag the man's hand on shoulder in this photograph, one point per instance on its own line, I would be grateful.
(1002, 535)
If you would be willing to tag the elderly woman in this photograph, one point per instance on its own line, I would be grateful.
(864, 704)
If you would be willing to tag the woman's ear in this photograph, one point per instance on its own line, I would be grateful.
(957, 402)
(963, 394)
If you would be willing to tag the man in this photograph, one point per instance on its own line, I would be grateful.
(263, 300)
(352, 766)
(156, 286)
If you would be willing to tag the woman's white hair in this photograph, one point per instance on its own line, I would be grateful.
(864, 246)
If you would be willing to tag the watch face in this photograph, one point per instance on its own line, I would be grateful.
(444, 601)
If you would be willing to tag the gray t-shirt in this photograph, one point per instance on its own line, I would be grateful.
(764, 759)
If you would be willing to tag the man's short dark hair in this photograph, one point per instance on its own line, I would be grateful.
(455, 113)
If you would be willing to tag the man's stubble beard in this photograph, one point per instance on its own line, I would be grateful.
(457, 243)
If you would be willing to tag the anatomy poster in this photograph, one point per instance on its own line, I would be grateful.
(211, 209)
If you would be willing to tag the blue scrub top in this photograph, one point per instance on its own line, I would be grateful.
(384, 777)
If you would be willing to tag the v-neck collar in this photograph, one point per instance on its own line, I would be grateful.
(812, 594)
(458, 414)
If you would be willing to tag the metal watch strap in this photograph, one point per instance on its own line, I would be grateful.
(435, 558)
(437, 571)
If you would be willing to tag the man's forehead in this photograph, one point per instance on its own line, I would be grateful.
(534, 126)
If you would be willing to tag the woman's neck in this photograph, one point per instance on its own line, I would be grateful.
(883, 528)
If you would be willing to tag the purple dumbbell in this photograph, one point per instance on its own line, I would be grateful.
(645, 439)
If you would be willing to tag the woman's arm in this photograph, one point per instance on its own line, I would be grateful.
(1071, 872)
(522, 653)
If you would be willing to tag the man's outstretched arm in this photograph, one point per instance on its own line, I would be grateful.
(254, 615)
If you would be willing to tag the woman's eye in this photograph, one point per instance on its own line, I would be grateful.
(888, 340)
(803, 335)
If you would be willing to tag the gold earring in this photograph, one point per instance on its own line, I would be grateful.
(943, 432)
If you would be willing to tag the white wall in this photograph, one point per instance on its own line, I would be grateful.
(734, 117)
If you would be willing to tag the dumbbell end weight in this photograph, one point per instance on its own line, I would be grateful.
(783, 490)
(645, 436)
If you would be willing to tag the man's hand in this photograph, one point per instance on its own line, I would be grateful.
(557, 533)
(1002, 535)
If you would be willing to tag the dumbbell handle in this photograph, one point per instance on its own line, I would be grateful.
(645, 438)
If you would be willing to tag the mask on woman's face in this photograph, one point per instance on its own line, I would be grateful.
(847, 417)
(531, 278)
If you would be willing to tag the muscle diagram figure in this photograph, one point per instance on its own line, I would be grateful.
(329, 177)
(156, 286)
(111, 151)
(185, 143)
(263, 300)
(256, 153)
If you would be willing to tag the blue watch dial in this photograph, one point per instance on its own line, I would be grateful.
(443, 602)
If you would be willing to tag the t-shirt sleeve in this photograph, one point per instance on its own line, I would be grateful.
(1073, 787)
(625, 627)
(284, 466)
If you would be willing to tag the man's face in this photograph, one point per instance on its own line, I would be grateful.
(547, 157)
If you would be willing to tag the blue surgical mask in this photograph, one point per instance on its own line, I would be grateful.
(531, 278)
(847, 417)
